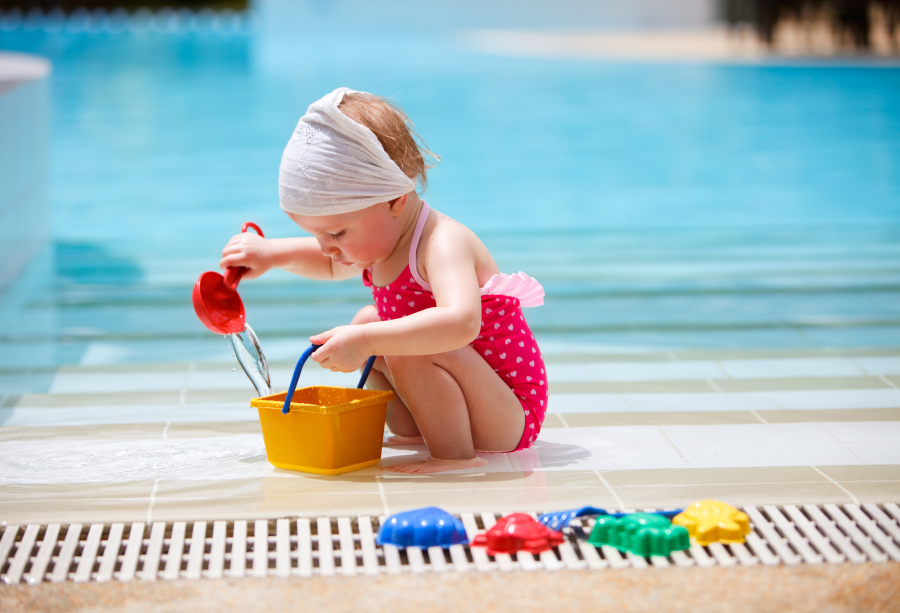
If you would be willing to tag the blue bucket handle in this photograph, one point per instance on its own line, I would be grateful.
(290, 394)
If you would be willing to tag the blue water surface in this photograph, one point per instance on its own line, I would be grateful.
(686, 206)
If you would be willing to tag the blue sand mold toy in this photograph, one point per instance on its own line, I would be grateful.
(428, 527)
(560, 519)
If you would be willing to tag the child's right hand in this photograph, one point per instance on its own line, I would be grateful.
(250, 251)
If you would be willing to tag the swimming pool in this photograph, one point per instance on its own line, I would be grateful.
(680, 205)
(719, 245)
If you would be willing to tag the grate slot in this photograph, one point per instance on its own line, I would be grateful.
(238, 564)
(884, 522)
(771, 536)
(153, 557)
(479, 556)
(871, 528)
(834, 534)
(132, 554)
(326, 548)
(797, 542)
(859, 539)
(23, 555)
(816, 538)
(44, 555)
(110, 557)
(6, 544)
(743, 554)
(85, 569)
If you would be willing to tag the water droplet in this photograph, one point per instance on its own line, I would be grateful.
(234, 370)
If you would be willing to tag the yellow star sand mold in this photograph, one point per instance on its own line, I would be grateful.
(712, 521)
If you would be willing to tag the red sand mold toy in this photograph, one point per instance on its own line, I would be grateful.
(216, 300)
(518, 532)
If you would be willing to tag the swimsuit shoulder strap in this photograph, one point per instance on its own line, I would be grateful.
(414, 246)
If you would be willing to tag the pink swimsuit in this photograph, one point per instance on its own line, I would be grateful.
(505, 341)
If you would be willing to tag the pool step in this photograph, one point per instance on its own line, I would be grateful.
(328, 546)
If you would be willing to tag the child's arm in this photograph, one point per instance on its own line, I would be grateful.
(300, 256)
(453, 323)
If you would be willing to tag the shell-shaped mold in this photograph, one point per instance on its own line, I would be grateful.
(428, 527)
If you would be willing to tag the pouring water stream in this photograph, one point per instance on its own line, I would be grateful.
(252, 359)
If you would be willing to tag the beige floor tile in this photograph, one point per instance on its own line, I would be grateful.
(75, 502)
(211, 428)
(97, 399)
(538, 499)
(214, 396)
(630, 387)
(98, 432)
(127, 368)
(874, 491)
(81, 511)
(581, 358)
(668, 496)
(394, 484)
(711, 476)
(552, 420)
(660, 418)
(895, 379)
(267, 506)
(800, 383)
(823, 415)
(292, 485)
(883, 472)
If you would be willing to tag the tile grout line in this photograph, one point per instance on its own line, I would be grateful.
(715, 386)
(165, 437)
(663, 432)
(563, 420)
(152, 500)
(843, 444)
(611, 490)
(382, 494)
(841, 487)
(888, 381)
(758, 416)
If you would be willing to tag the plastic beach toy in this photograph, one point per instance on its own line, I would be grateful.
(561, 519)
(323, 430)
(428, 527)
(518, 532)
(644, 534)
(216, 300)
(713, 521)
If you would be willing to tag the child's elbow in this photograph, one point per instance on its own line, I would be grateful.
(470, 327)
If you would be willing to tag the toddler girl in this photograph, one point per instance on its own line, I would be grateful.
(454, 345)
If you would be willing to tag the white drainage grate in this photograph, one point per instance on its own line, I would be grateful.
(328, 546)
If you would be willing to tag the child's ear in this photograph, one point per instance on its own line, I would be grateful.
(398, 205)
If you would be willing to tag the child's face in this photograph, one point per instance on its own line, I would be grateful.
(361, 238)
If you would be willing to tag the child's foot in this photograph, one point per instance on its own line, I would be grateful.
(432, 465)
(395, 440)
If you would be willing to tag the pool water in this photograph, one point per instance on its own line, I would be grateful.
(663, 206)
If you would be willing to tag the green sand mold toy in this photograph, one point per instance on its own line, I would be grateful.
(643, 534)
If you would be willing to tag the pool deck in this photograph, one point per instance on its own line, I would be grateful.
(180, 442)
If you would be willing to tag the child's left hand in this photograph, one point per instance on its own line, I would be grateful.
(345, 349)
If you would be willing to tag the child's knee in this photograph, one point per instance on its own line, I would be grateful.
(366, 315)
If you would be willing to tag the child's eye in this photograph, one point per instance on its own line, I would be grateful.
(339, 234)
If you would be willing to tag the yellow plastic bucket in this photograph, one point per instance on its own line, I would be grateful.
(328, 431)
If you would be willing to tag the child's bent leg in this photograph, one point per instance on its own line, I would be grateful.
(399, 420)
(459, 405)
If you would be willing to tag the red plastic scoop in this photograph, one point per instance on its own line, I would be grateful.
(216, 300)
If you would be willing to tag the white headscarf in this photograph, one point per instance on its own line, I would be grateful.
(334, 165)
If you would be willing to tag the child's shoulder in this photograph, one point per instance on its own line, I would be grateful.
(445, 230)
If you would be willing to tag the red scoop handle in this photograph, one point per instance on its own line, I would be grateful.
(233, 274)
